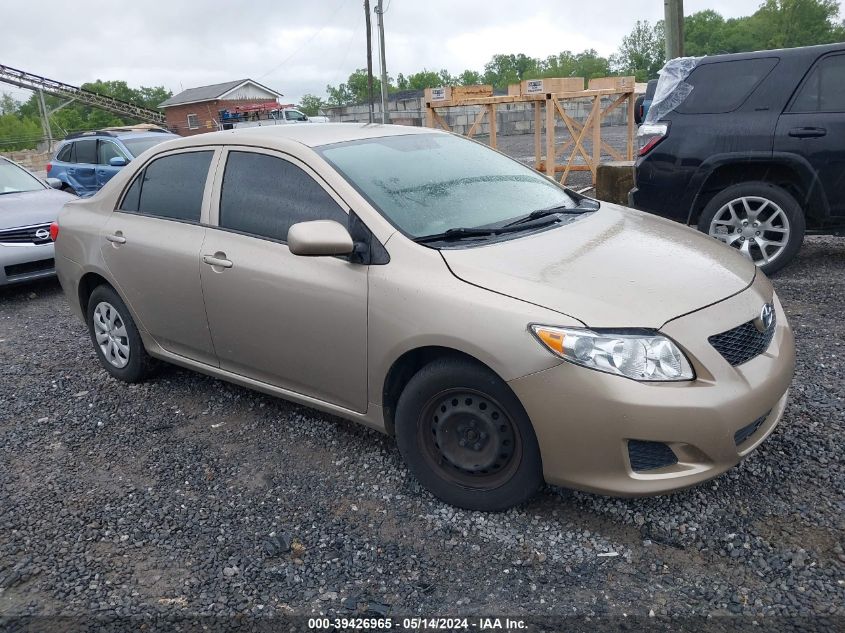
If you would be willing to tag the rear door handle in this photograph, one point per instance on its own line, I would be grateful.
(807, 132)
(116, 238)
(214, 260)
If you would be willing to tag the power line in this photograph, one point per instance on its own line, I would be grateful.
(308, 41)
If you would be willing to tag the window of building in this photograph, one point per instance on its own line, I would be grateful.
(193, 122)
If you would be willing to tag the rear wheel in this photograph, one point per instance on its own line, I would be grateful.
(465, 436)
(762, 221)
(638, 110)
(68, 189)
(116, 339)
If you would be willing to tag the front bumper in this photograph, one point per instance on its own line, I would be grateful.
(584, 419)
(25, 262)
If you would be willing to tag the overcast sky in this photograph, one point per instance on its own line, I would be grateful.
(297, 47)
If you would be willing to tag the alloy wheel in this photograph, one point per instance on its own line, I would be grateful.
(470, 439)
(110, 332)
(755, 226)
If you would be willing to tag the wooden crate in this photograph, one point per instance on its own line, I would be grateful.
(622, 84)
(551, 84)
(456, 93)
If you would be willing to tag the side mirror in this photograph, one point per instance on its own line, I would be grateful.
(117, 161)
(55, 183)
(319, 237)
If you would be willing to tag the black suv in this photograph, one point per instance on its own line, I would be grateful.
(749, 147)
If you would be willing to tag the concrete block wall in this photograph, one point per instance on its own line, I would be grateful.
(511, 118)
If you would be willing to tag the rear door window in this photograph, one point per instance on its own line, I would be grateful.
(724, 86)
(264, 196)
(824, 88)
(86, 151)
(170, 187)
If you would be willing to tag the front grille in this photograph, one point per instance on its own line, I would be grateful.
(19, 270)
(25, 235)
(743, 342)
(650, 455)
(745, 432)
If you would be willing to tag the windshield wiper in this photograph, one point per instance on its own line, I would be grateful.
(584, 206)
(461, 232)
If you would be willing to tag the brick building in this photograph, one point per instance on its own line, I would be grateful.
(197, 110)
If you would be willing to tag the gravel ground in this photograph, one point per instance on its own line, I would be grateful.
(189, 496)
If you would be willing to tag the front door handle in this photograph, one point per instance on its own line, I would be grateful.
(116, 238)
(807, 132)
(218, 259)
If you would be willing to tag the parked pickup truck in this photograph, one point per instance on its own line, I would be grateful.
(281, 116)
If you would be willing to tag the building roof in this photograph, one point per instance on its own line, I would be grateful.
(209, 93)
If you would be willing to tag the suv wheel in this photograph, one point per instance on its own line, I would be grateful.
(465, 436)
(762, 221)
(116, 339)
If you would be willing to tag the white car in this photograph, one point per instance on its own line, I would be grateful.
(28, 205)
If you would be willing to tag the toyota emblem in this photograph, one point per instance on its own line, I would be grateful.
(42, 234)
(767, 315)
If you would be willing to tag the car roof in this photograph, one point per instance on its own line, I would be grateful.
(799, 51)
(308, 134)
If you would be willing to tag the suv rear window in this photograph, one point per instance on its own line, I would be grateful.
(724, 86)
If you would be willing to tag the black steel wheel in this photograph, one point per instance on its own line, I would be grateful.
(465, 436)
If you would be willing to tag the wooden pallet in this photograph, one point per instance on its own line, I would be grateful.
(547, 108)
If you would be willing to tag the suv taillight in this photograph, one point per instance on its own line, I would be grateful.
(54, 230)
(49, 167)
(649, 135)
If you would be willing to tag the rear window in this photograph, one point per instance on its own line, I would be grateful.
(724, 86)
(170, 187)
(86, 151)
(64, 154)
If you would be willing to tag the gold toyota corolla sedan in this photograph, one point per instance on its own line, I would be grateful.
(506, 330)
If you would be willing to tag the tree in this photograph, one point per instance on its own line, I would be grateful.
(586, 64)
(469, 78)
(8, 104)
(642, 52)
(355, 89)
(311, 104)
(503, 70)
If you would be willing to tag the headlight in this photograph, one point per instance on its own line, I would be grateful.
(648, 357)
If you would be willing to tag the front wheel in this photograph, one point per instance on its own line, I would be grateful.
(465, 436)
(761, 220)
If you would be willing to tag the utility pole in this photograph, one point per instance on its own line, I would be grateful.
(369, 60)
(45, 121)
(380, 12)
(673, 21)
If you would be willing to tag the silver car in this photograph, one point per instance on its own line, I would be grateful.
(28, 206)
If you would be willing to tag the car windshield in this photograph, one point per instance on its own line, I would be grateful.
(425, 184)
(14, 179)
(141, 144)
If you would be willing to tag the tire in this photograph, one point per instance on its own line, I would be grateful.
(731, 214)
(451, 401)
(108, 314)
(638, 110)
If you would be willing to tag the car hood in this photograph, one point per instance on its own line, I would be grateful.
(613, 268)
(31, 207)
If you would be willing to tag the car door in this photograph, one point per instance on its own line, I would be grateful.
(81, 174)
(106, 150)
(299, 323)
(151, 245)
(813, 126)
